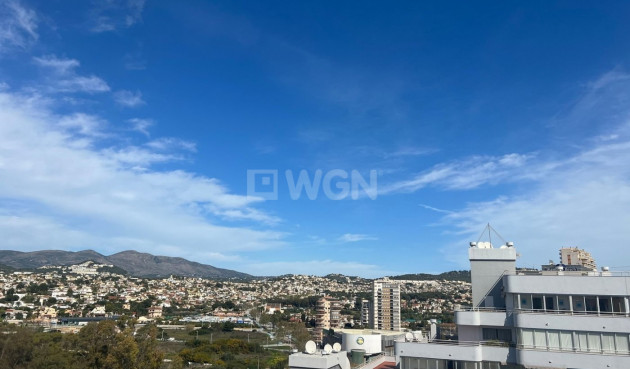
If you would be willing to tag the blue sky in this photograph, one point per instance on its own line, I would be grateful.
(133, 125)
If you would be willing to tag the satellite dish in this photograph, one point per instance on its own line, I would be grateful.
(417, 336)
(408, 336)
(336, 347)
(311, 347)
(328, 349)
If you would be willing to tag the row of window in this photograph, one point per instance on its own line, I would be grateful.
(576, 303)
(596, 342)
(424, 363)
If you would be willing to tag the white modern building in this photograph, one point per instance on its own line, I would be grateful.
(532, 319)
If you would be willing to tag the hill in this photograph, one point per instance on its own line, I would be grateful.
(135, 263)
(455, 275)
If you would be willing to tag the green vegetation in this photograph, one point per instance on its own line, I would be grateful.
(113, 345)
(455, 275)
(97, 345)
(424, 296)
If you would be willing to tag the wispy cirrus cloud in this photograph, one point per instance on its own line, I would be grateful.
(578, 198)
(61, 76)
(129, 99)
(141, 125)
(356, 237)
(467, 173)
(111, 15)
(18, 26)
(169, 143)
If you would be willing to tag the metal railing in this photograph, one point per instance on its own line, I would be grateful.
(493, 343)
(611, 314)
(543, 311)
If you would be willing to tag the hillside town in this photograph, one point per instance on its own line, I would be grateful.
(46, 295)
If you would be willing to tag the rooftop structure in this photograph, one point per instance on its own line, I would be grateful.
(532, 319)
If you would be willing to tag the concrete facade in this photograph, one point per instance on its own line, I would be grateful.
(530, 319)
(386, 305)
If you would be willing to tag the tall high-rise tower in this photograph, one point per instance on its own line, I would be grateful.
(386, 305)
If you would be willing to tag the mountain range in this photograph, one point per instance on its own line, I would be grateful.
(136, 263)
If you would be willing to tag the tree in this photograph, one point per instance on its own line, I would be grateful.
(124, 354)
(298, 332)
(149, 357)
(227, 326)
(96, 340)
(16, 348)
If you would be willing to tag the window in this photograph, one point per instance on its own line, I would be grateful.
(549, 303)
(540, 339)
(566, 341)
(491, 334)
(621, 343)
(563, 303)
(591, 304)
(618, 305)
(527, 337)
(582, 342)
(537, 303)
(608, 342)
(594, 342)
(578, 303)
(554, 340)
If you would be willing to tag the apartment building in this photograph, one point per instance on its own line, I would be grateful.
(366, 307)
(575, 256)
(327, 316)
(532, 319)
(386, 305)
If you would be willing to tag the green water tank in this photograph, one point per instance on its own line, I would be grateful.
(357, 357)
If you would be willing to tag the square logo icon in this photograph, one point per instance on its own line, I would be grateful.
(262, 183)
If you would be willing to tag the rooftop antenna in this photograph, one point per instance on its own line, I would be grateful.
(488, 228)
(336, 347)
(328, 349)
(310, 348)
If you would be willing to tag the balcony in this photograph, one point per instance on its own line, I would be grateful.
(564, 359)
(455, 350)
(567, 320)
(483, 317)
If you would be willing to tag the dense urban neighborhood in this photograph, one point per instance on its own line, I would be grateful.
(47, 294)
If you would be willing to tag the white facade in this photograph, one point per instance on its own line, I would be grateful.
(532, 320)
(371, 343)
(335, 360)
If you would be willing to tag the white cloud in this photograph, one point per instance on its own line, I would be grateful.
(141, 125)
(85, 124)
(60, 66)
(98, 198)
(356, 237)
(129, 98)
(64, 77)
(317, 267)
(170, 143)
(247, 214)
(408, 151)
(577, 199)
(114, 14)
(18, 26)
(467, 173)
